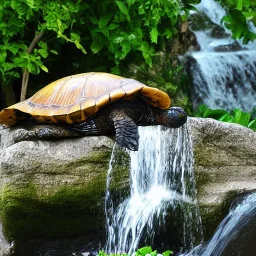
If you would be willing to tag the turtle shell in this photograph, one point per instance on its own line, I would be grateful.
(75, 98)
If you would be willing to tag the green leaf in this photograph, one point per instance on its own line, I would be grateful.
(32, 68)
(13, 74)
(130, 2)
(96, 45)
(43, 53)
(118, 39)
(214, 113)
(43, 45)
(30, 3)
(154, 35)
(94, 20)
(14, 49)
(20, 62)
(252, 125)
(44, 68)
(239, 5)
(168, 33)
(201, 110)
(80, 47)
(241, 117)
(122, 8)
(74, 36)
(227, 118)
(54, 52)
(145, 250)
(154, 253)
(167, 253)
(3, 55)
(145, 46)
(104, 20)
(113, 26)
(59, 23)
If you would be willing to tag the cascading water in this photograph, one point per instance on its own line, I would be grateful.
(5, 247)
(236, 233)
(161, 180)
(224, 70)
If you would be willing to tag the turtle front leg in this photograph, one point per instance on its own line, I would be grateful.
(126, 129)
(43, 132)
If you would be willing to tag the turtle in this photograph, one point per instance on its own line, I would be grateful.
(93, 103)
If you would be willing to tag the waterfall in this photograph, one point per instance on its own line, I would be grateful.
(236, 233)
(224, 70)
(5, 247)
(161, 181)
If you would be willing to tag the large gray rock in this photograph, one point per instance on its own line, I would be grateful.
(53, 188)
(63, 182)
(225, 166)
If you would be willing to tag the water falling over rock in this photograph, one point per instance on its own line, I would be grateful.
(224, 70)
(161, 185)
(236, 233)
(5, 247)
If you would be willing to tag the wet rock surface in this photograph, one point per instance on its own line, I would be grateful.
(225, 166)
(55, 189)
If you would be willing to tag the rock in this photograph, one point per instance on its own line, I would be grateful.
(53, 188)
(225, 166)
(56, 189)
(235, 46)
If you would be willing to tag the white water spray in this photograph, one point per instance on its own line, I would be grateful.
(161, 180)
(5, 247)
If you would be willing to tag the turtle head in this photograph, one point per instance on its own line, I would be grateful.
(173, 117)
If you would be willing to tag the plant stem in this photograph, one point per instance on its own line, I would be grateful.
(25, 77)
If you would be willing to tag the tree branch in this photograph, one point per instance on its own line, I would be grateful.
(25, 77)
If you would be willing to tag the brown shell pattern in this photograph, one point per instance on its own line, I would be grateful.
(75, 98)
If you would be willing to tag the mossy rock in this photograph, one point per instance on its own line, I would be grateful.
(56, 189)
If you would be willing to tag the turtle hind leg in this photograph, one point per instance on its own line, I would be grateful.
(126, 130)
(43, 132)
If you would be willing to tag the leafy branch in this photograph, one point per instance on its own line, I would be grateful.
(240, 14)
(114, 29)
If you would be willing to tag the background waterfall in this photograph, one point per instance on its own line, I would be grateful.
(224, 70)
(161, 185)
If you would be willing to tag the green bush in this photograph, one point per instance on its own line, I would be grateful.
(33, 32)
(239, 13)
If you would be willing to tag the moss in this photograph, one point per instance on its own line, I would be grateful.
(68, 212)
(31, 210)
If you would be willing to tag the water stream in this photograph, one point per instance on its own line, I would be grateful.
(161, 184)
(5, 247)
(224, 70)
(236, 233)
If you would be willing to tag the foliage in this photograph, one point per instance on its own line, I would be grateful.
(144, 251)
(20, 21)
(240, 12)
(114, 29)
(236, 116)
